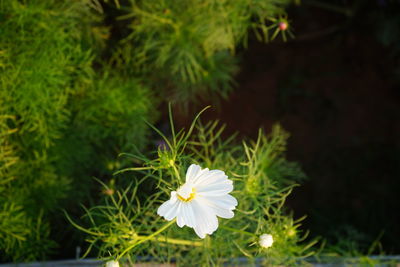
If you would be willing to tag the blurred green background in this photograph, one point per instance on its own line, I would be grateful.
(78, 79)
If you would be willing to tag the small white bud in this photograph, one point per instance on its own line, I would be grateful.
(266, 241)
(112, 264)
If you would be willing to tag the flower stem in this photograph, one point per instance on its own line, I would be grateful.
(146, 238)
(176, 172)
(175, 241)
(237, 230)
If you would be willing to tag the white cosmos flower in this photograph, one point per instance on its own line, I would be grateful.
(198, 202)
(266, 241)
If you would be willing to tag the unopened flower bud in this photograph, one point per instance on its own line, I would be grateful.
(112, 264)
(266, 241)
(283, 25)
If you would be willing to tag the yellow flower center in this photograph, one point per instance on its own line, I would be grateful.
(191, 196)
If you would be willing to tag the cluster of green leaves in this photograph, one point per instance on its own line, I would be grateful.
(16, 226)
(190, 46)
(74, 87)
(262, 177)
(56, 110)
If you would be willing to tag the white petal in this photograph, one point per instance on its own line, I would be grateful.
(192, 172)
(226, 201)
(216, 189)
(186, 215)
(210, 177)
(219, 211)
(206, 221)
(170, 208)
(207, 225)
(201, 175)
(191, 218)
(180, 218)
(223, 213)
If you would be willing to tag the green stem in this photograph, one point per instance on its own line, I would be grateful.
(176, 172)
(133, 169)
(146, 238)
(175, 241)
(236, 230)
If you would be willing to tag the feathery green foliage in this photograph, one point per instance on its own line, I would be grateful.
(190, 46)
(75, 80)
(62, 121)
(262, 181)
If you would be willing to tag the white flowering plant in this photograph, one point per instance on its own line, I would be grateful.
(203, 200)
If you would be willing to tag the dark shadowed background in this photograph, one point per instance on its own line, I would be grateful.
(335, 88)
